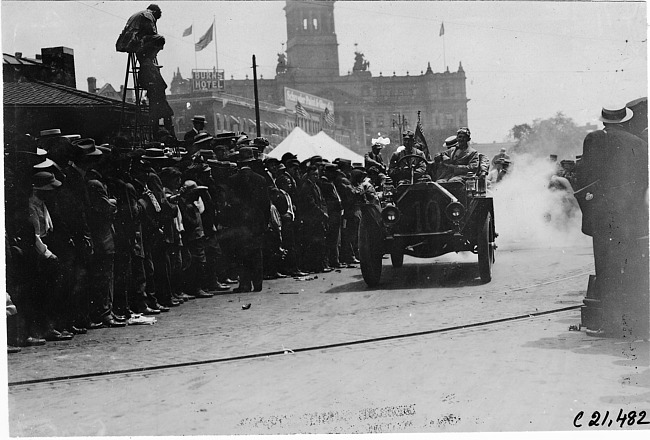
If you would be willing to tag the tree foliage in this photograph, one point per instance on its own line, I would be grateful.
(557, 135)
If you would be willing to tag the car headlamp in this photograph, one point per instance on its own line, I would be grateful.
(390, 215)
(455, 211)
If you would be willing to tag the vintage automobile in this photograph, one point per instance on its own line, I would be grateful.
(425, 219)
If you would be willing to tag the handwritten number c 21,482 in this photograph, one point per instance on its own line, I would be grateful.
(597, 419)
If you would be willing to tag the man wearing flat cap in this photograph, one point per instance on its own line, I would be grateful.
(403, 171)
(612, 188)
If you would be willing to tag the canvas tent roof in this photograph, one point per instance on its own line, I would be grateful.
(305, 146)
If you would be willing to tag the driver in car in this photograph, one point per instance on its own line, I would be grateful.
(456, 163)
(402, 170)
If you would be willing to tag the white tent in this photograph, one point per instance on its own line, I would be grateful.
(304, 146)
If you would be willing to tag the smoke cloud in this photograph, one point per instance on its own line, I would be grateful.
(528, 214)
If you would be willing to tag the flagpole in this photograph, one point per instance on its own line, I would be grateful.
(216, 54)
(196, 63)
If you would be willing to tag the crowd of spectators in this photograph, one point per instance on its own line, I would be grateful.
(111, 235)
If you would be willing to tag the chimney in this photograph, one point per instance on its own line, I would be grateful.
(18, 55)
(92, 84)
(60, 61)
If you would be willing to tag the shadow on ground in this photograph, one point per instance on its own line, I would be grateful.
(419, 275)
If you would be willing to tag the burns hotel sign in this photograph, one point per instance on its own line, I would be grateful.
(204, 80)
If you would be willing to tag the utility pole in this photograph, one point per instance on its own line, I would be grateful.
(257, 101)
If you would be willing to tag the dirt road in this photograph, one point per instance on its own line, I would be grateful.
(430, 350)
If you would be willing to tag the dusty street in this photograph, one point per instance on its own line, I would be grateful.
(431, 350)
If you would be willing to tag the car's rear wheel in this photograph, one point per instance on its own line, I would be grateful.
(370, 251)
(485, 250)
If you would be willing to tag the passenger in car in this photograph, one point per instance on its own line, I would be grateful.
(456, 163)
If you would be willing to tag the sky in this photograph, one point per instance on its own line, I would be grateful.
(523, 60)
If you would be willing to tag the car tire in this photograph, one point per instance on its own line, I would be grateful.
(485, 250)
(370, 252)
(397, 259)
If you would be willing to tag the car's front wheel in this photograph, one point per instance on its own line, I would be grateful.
(370, 251)
(485, 250)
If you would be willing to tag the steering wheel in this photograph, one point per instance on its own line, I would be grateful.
(412, 161)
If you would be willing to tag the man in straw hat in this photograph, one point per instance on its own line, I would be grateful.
(612, 185)
(198, 125)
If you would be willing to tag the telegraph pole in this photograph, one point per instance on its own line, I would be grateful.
(257, 101)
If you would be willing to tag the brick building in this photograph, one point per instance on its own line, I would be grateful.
(364, 104)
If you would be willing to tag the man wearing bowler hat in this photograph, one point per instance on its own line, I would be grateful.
(612, 185)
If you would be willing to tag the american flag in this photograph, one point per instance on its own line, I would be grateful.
(419, 138)
(300, 111)
(329, 117)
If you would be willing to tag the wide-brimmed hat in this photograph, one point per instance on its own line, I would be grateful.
(87, 147)
(343, 163)
(246, 154)
(206, 154)
(202, 137)
(288, 156)
(408, 134)
(46, 163)
(191, 186)
(272, 161)
(199, 118)
(260, 142)
(292, 163)
(224, 138)
(223, 164)
(615, 114)
(49, 133)
(154, 154)
(451, 141)
(44, 180)
(243, 140)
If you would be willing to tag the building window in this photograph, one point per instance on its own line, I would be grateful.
(304, 24)
(315, 23)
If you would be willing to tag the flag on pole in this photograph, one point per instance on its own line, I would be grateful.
(442, 29)
(329, 117)
(187, 31)
(419, 138)
(300, 110)
(204, 40)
